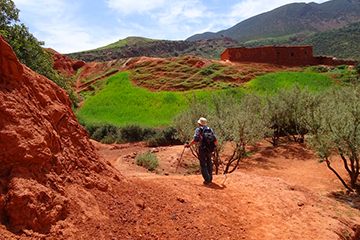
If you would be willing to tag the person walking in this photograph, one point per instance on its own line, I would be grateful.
(206, 141)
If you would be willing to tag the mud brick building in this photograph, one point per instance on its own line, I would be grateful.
(280, 55)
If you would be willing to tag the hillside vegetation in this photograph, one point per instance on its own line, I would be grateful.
(340, 43)
(137, 47)
(135, 41)
(187, 73)
(173, 74)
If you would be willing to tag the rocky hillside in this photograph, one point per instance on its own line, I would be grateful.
(137, 47)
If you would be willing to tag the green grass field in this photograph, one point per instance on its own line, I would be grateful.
(272, 82)
(121, 103)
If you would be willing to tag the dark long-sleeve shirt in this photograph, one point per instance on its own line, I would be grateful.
(198, 137)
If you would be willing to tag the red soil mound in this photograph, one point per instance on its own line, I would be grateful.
(43, 149)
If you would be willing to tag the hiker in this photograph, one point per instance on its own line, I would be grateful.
(206, 140)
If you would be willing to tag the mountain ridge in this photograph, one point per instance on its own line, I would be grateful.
(291, 19)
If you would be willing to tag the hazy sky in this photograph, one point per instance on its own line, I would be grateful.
(75, 25)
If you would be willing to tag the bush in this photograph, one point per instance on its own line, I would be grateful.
(152, 142)
(343, 67)
(102, 131)
(318, 69)
(108, 139)
(169, 134)
(357, 67)
(109, 133)
(90, 128)
(148, 132)
(132, 133)
(147, 160)
(163, 137)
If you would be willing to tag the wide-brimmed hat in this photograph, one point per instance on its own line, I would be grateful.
(202, 121)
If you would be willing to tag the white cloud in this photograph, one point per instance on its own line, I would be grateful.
(160, 19)
(181, 11)
(48, 7)
(130, 6)
(67, 37)
(58, 25)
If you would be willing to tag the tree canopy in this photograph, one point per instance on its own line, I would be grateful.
(27, 48)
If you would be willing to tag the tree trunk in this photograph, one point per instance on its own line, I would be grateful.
(334, 171)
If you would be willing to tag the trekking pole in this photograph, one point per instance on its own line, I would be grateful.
(222, 165)
(224, 172)
(179, 160)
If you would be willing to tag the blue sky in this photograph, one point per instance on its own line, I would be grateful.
(76, 25)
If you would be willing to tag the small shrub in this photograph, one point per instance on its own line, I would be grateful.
(89, 127)
(357, 67)
(147, 160)
(318, 69)
(206, 71)
(160, 139)
(108, 139)
(148, 132)
(343, 67)
(163, 137)
(151, 142)
(103, 130)
(132, 133)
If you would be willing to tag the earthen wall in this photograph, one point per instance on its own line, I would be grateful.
(281, 55)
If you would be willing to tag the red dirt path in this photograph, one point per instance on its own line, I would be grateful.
(277, 193)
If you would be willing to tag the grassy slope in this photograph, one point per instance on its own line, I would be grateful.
(273, 81)
(127, 41)
(121, 103)
(181, 74)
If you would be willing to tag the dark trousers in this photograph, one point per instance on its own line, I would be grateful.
(206, 164)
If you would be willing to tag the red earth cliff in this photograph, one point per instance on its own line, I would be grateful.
(42, 149)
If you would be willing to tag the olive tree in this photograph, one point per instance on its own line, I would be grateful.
(234, 121)
(277, 116)
(246, 126)
(185, 122)
(283, 112)
(334, 128)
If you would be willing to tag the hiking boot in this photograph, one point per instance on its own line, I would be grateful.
(206, 183)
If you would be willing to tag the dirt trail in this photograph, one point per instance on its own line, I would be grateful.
(276, 194)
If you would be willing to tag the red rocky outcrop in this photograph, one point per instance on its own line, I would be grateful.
(42, 148)
(66, 65)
